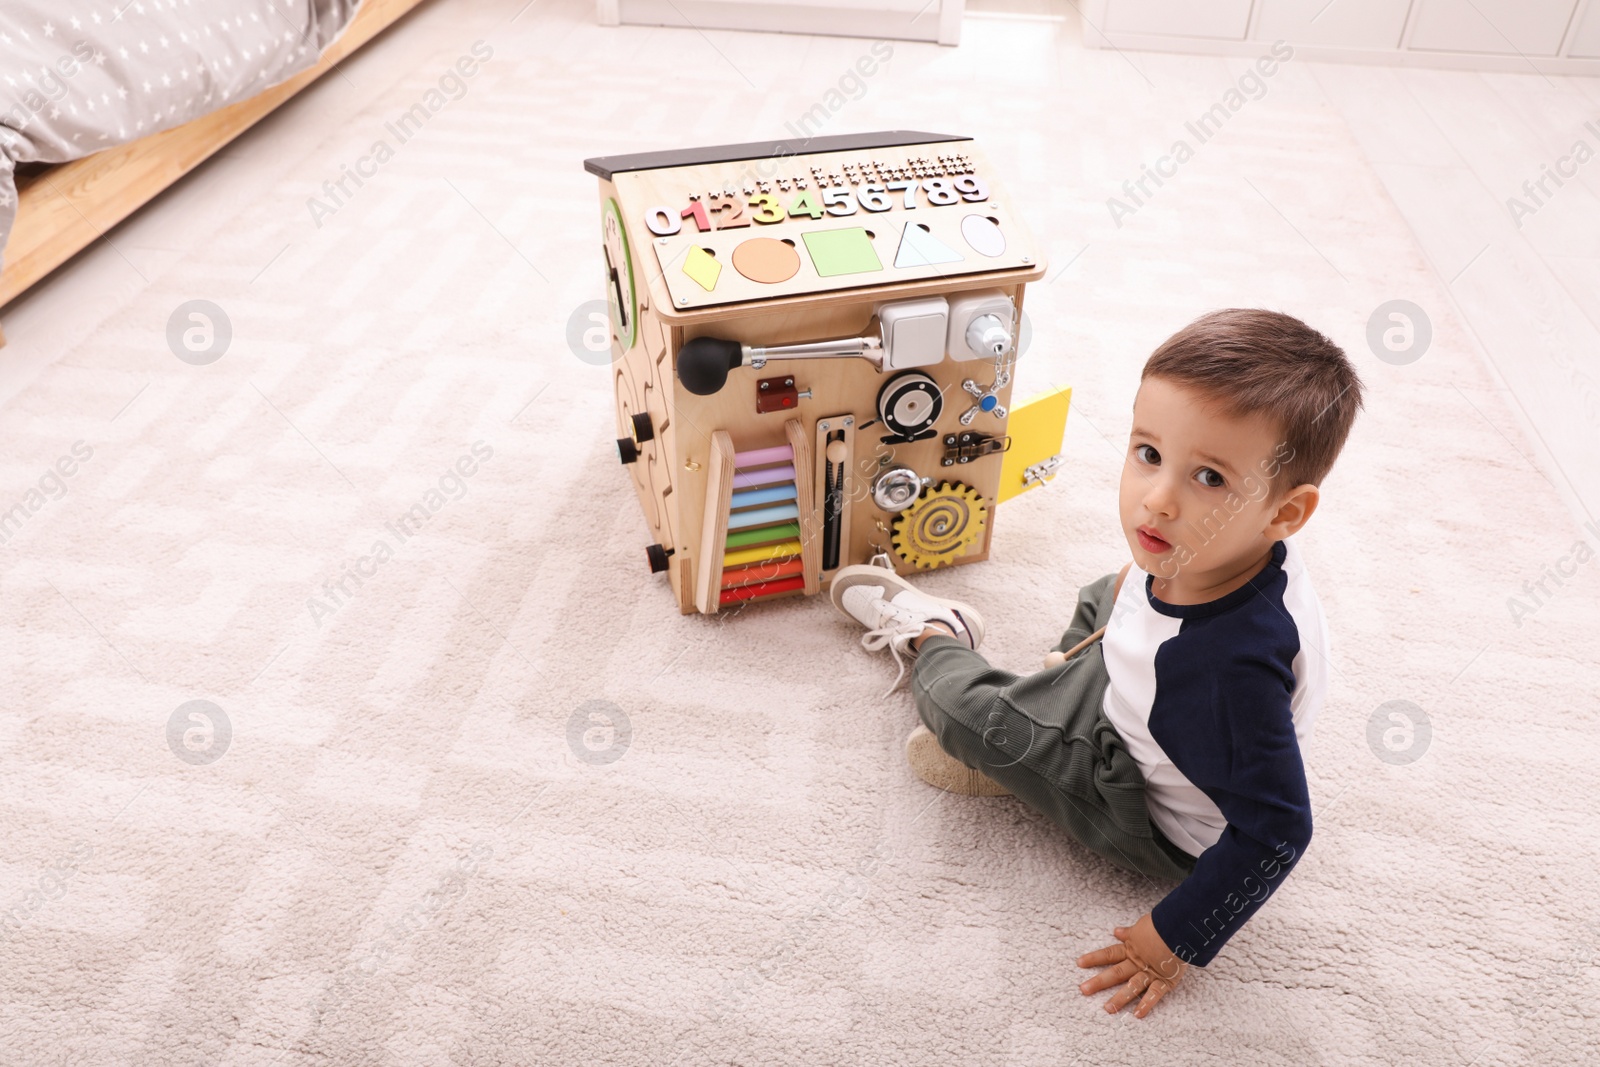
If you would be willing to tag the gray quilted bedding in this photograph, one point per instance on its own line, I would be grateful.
(77, 76)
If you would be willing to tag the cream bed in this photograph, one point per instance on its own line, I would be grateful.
(104, 103)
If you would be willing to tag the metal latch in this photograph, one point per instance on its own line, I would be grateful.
(968, 445)
(1042, 471)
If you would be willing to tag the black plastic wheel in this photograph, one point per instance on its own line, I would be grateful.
(627, 451)
(657, 557)
(910, 404)
(643, 429)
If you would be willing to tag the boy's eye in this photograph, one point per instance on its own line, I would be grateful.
(1147, 454)
(1210, 478)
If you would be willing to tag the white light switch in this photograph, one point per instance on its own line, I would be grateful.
(913, 332)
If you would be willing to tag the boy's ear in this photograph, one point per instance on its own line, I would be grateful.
(1293, 512)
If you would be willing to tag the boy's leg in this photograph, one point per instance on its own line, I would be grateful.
(1044, 737)
(1093, 611)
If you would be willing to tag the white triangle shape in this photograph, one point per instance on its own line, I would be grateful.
(919, 248)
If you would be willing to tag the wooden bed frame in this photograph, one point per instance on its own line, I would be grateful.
(63, 210)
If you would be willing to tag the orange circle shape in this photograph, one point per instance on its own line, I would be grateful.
(766, 259)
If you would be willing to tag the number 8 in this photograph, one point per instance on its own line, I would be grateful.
(940, 191)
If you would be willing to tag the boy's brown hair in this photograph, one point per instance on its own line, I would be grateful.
(1255, 362)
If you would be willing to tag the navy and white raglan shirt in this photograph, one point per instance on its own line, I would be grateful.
(1213, 701)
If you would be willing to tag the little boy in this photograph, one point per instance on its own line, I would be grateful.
(1171, 747)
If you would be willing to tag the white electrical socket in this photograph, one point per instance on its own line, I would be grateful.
(981, 325)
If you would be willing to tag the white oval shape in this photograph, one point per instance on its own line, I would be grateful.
(983, 235)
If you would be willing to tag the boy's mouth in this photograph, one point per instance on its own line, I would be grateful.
(1151, 541)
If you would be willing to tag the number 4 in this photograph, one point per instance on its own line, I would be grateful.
(804, 205)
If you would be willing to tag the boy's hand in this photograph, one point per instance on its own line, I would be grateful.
(1140, 963)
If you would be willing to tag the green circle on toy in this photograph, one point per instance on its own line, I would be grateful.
(620, 292)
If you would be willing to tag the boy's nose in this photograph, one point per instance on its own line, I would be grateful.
(1159, 498)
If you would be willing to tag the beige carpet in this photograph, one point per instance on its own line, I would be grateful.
(410, 852)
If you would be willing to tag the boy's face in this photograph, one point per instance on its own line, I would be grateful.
(1198, 495)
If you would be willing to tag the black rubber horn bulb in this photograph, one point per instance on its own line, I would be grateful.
(704, 363)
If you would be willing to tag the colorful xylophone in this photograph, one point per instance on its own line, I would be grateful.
(763, 556)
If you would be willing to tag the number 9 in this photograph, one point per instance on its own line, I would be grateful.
(972, 188)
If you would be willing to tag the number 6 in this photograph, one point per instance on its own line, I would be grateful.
(874, 197)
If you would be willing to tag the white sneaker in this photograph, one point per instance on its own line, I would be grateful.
(894, 611)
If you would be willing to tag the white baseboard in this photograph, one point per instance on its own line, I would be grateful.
(937, 21)
(1140, 42)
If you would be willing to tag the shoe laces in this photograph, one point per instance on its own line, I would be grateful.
(897, 624)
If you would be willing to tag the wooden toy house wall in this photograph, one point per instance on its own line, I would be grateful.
(684, 451)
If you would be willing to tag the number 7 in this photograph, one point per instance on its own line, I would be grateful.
(910, 189)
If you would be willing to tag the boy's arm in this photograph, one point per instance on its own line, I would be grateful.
(1259, 786)
(1252, 770)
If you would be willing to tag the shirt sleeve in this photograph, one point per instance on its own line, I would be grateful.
(1239, 748)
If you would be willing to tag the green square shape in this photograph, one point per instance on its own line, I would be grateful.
(836, 252)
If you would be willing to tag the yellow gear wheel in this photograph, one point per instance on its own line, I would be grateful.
(943, 523)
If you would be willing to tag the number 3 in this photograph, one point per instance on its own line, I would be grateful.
(771, 211)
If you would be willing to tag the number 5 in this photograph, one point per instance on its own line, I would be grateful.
(839, 198)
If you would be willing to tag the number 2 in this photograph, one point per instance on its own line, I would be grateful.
(726, 221)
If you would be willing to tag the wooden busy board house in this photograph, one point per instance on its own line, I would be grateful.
(813, 345)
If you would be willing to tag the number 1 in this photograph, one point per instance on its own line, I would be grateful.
(697, 211)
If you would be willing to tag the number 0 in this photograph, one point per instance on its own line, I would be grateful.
(663, 221)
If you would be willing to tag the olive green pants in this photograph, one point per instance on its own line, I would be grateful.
(1045, 738)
